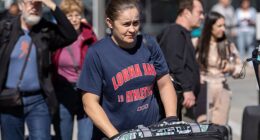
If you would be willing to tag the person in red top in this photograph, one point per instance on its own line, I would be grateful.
(67, 67)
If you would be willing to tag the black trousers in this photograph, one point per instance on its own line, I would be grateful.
(179, 105)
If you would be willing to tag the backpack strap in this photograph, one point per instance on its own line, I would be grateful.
(76, 68)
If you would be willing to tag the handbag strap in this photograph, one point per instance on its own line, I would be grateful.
(73, 59)
(24, 66)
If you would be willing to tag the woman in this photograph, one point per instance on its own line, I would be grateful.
(246, 21)
(120, 71)
(68, 63)
(217, 58)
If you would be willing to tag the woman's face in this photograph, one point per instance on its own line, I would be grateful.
(125, 27)
(218, 28)
(225, 2)
(75, 19)
(245, 4)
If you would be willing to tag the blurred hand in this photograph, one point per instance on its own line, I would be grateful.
(84, 20)
(251, 22)
(228, 68)
(48, 3)
(189, 99)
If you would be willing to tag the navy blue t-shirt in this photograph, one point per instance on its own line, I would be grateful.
(124, 80)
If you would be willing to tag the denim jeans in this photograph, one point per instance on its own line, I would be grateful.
(35, 113)
(245, 43)
(70, 105)
(64, 127)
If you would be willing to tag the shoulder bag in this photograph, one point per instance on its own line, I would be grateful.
(12, 97)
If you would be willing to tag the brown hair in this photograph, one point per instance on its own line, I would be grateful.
(204, 43)
(241, 1)
(115, 6)
(68, 6)
(186, 4)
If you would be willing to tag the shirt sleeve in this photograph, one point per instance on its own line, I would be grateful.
(90, 79)
(237, 61)
(158, 58)
(63, 33)
(173, 45)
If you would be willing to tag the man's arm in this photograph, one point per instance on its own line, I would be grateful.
(173, 47)
(65, 33)
(97, 114)
(48, 3)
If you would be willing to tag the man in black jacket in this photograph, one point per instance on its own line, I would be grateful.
(39, 101)
(175, 42)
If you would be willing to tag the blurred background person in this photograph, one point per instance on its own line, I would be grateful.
(86, 14)
(11, 12)
(68, 64)
(180, 56)
(119, 74)
(195, 35)
(225, 8)
(31, 35)
(246, 21)
(8, 3)
(217, 57)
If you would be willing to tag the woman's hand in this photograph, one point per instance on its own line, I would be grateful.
(228, 67)
(84, 20)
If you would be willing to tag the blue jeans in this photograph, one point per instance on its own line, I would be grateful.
(64, 127)
(35, 113)
(70, 105)
(245, 43)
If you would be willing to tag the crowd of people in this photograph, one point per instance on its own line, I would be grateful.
(240, 24)
(125, 79)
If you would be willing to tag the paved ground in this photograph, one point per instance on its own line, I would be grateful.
(244, 94)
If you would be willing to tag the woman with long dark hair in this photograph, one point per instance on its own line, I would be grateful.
(218, 57)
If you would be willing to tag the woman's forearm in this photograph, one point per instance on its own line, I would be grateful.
(97, 114)
(168, 95)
